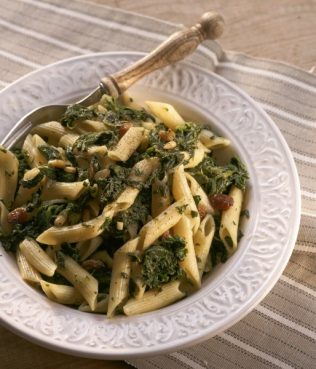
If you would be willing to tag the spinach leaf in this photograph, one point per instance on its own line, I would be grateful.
(75, 113)
(160, 262)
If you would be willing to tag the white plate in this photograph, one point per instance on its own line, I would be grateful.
(235, 287)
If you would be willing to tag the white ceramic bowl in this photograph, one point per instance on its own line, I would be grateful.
(228, 293)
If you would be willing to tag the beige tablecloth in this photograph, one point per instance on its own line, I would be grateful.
(281, 331)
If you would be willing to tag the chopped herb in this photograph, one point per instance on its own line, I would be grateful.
(117, 113)
(32, 182)
(245, 213)
(160, 262)
(70, 156)
(70, 250)
(49, 152)
(23, 164)
(75, 113)
(96, 138)
(187, 137)
(194, 214)
(218, 179)
(197, 199)
(181, 209)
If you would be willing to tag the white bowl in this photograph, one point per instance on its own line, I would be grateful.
(228, 293)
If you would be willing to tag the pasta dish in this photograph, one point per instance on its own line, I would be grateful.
(119, 209)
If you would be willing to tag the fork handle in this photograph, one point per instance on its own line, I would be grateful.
(175, 48)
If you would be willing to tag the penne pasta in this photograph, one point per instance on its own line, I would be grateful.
(53, 131)
(24, 194)
(121, 271)
(88, 247)
(62, 294)
(162, 223)
(5, 226)
(27, 272)
(101, 306)
(60, 190)
(166, 113)
(160, 198)
(197, 191)
(230, 219)
(83, 281)
(189, 263)
(153, 300)
(127, 144)
(212, 141)
(180, 190)
(8, 176)
(37, 257)
(203, 240)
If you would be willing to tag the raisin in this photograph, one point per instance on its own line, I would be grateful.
(167, 136)
(221, 201)
(17, 216)
(124, 128)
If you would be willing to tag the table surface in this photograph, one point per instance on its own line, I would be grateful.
(273, 29)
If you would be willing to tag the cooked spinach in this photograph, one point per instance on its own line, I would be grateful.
(96, 138)
(49, 152)
(160, 262)
(75, 113)
(217, 179)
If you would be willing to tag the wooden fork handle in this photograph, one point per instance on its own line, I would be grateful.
(175, 48)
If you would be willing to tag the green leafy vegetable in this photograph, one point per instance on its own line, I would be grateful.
(49, 152)
(75, 113)
(160, 262)
(187, 137)
(99, 138)
(43, 219)
(217, 179)
(117, 113)
(32, 182)
(23, 164)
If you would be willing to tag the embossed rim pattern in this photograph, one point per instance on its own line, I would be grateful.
(236, 287)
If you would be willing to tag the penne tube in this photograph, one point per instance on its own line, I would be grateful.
(103, 256)
(8, 176)
(230, 219)
(121, 271)
(203, 240)
(127, 144)
(152, 230)
(37, 257)
(38, 157)
(5, 226)
(83, 281)
(63, 190)
(24, 194)
(27, 272)
(167, 113)
(62, 294)
(88, 247)
(53, 131)
(196, 158)
(189, 263)
(100, 307)
(160, 199)
(212, 141)
(153, 300)
(86, 126)
(68, 139)
(181, 189)
(197, 190)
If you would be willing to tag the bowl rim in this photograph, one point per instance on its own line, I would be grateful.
(124, 353)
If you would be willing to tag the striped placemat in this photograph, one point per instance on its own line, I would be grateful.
(281, 331)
